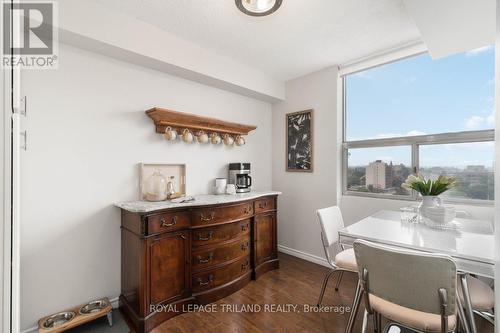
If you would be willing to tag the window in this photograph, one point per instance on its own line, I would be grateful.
(370, 173)
(434, 117)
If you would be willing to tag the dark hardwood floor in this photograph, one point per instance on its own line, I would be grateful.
(298, 283)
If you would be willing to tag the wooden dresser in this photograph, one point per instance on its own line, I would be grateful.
(174, 257)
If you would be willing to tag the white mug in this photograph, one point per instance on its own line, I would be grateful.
(170, 134)
(240, 141)
(228, 140)
(187, 136)
(216, 139)
(202, 137)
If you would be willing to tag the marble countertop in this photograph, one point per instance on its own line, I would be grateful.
(200, 200)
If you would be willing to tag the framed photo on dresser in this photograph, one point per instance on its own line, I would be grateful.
(299, 141)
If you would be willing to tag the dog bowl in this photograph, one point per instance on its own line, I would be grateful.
(58, 319)
(93, 307)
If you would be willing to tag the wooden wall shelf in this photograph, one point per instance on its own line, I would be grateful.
(164, 118)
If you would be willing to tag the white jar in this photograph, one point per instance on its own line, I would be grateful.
(156, 187)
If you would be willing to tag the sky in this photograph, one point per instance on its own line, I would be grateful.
(418, 96)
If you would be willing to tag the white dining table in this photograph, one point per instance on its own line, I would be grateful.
(469, 242)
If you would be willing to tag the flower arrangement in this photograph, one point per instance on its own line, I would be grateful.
(429, 187)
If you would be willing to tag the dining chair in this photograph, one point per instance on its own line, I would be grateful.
(416, 290)
(341, 261)
(482, 298)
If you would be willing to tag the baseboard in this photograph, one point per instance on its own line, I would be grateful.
(303, 255)
(113, 301)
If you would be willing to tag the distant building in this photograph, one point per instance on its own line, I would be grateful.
(475, 168)
(379, 175)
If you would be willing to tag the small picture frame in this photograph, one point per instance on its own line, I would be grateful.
(178, 171)
(299, 141)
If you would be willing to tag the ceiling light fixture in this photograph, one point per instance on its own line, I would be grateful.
(258, 7)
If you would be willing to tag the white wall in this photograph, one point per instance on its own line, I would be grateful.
(304, 193)
(86, 132)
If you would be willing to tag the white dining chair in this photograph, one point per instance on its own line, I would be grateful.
(341, 261)
(482, 298)
(414, 289)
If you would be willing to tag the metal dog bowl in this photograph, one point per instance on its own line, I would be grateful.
(93, 307)
(58, 319)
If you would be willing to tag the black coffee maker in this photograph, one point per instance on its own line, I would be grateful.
(239, 175)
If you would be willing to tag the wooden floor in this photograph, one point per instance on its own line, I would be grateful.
(298, 283)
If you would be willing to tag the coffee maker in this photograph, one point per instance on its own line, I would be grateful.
(239, 175)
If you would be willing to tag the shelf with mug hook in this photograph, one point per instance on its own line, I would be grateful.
(194, 128)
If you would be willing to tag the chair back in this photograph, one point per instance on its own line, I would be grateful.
(331, 221)
(408, 278)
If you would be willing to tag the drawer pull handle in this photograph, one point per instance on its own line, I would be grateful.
(207, 219)
(248, 210)
(244, 227)
(209, 237)
(205, 261)
(263, 204)
(165, 224)
(244, 246)
(210, 279)
(245, 266)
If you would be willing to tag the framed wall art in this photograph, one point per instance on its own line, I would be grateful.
(299, 141)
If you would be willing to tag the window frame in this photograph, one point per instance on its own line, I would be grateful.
(414, 142)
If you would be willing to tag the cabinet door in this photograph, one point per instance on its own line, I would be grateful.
(169, 267)
(265, 237)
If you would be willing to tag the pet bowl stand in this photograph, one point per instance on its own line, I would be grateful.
(80, 318)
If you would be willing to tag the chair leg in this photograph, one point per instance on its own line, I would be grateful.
(375, 322)
(339, 279)
(364, 326)
(378, 328)
(468, 304)
(323, 288)
(461, 316)
(354, 308)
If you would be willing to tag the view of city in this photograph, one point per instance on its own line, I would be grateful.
(474, 181)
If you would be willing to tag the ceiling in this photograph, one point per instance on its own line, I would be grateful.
(301, 37)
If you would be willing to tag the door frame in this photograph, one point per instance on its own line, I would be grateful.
(5, 201)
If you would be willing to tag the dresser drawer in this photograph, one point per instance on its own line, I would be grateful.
(205, 258)
(168, 222)
(207, 216)
(265, 204)
(218, 234)
(219, 276)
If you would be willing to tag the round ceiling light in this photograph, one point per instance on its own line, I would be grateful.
(258, 7)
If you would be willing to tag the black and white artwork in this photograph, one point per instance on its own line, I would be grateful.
(299, 141)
